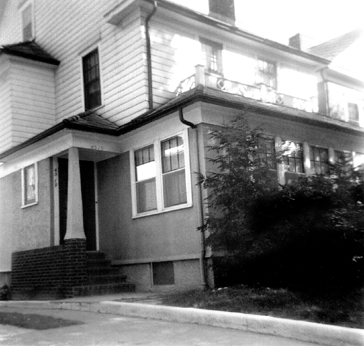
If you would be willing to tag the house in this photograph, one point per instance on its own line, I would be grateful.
(105, 113)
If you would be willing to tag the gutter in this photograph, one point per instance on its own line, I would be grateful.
(200, 204)
(149, 55)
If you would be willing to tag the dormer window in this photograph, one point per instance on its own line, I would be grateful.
(223, 10)
(27, 22)
(91, 79)
(212, 56)
(267, 73)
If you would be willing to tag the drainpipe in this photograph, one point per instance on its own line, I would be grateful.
(149, 56)
(203, 246)
(326, 90)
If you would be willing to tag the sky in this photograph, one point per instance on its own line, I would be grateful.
(280, 19)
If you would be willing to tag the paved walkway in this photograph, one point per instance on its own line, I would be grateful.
(110, 330)
(124, 308)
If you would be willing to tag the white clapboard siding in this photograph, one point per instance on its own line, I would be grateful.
(174, 56)
(32, 99)
(10, 24)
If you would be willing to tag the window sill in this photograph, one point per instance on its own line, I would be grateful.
(29, 205)
(94, 109)
(163, 211)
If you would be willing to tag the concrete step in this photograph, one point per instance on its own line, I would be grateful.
(98, 263)
(102, 289)
(106, 279)
(94, 271)
(95, 255)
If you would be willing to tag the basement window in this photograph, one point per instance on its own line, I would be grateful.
(163, 273)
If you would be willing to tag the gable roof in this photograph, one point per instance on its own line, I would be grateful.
(332, 48)
(29, 50)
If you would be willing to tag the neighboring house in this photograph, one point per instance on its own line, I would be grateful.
(105, 113)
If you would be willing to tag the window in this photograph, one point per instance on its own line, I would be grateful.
(319, 158)
(145, 174)
(212, 56)
(343, 158)
(27, 22)
(91, 79)
(266, 153)
(359, 161)
(173, 171)
(223, 10)
(30, 185)
(267, 73)
(161, 179)
(353, 111)
(292, 157)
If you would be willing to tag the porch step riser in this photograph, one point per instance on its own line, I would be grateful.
(89, 290)
(106, 279)
(102, 277)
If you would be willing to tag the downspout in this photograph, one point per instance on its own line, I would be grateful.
(200, 204)
(327, 102)
(149, 56)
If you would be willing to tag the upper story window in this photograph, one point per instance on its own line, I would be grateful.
(91, 79)
(27, 22)
(212, 56)
(267, 73)
(319, 158)
(222, 9)
(292, 157)
(161, 176)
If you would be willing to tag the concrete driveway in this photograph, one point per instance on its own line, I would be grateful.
(109, 330)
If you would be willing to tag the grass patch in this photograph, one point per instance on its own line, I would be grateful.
(344, 310)
(33, 321)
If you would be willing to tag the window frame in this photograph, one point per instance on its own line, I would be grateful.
(260, 71)
(287, 158)
(22, 9)
(219, 59)
(25, 201)
(83, 56)
(327, 163)
(159, 176)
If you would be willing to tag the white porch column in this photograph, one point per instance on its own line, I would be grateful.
(75, 229)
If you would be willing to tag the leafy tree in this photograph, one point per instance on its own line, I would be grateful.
(305, 234)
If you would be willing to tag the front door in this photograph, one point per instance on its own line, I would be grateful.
(88, 200)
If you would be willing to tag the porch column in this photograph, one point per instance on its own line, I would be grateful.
(75, 228)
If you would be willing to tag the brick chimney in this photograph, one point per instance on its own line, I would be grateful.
(301, 42)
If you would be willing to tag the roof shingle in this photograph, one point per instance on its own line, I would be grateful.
(29, 50)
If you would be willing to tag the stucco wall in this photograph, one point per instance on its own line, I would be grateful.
(164, 236)
(6, 221)
(32, 225)
(24, 228)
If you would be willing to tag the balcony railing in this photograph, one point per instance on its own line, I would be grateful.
(257, 92)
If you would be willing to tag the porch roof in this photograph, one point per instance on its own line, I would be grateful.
(92, 122)
(29, 50)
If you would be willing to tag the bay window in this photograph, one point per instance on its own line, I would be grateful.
(161, 176)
